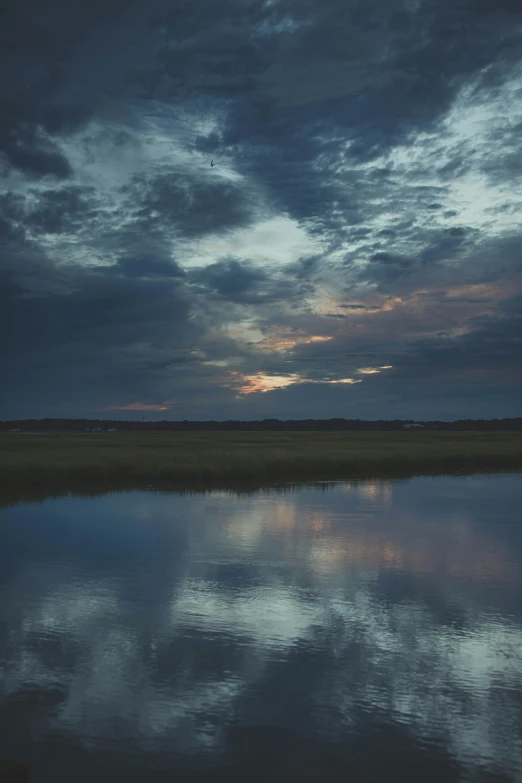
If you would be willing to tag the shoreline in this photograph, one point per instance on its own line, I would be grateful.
(44, 464)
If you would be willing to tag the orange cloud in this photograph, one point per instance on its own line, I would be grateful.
(264, 383)
(316, 338)
(373, 370)
(277, 344)
(141, 406)
(261, 382)
(282, 342)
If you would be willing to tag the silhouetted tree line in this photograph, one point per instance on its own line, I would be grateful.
(277, 425)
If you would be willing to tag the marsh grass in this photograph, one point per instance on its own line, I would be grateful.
(36, 467)
(230, 457)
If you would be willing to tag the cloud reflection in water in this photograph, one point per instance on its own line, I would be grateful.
(163, 621)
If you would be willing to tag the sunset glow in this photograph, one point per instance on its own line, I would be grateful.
(140, 406)
(261, 382)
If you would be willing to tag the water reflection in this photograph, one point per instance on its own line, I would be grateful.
(280, 634)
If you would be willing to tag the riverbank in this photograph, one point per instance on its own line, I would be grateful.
(52, 460)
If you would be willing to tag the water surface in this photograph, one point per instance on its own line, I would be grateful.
(366, 632)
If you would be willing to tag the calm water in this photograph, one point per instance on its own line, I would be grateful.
(366, 632)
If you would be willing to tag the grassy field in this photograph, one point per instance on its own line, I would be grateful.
(131, 459)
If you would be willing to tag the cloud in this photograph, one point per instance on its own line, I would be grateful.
(100, 332)
(240, 281)
(147, 266)
(194, 207)
(141, 406)
(179, 693)
(230, 277)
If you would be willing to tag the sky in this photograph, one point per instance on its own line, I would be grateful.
(354, 252)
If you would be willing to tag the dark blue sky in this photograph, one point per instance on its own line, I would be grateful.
(355, 251)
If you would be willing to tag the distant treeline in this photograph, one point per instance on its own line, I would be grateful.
(79, 425)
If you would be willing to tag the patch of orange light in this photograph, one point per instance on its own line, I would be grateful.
(464, 557)
(140, 406)
(391, 304)
(360, 309)
(261, 382)
(264, 383)
(374, 306)
(320, 524)
(475, 289)
(285, 342)
(277, 344)
(317, 338)
(373, 370)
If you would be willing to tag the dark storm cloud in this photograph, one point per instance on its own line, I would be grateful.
(57, 211)
(413, 62)
(97, 307)
(493, 344)
(474, 373)
(231, 278)
(94, 335)
(37, 157)
(146, 266)
(240, 281)
(448, 245)
(38, 41)
(193, 207)
(305, 267)
(386, 267)
(388, 258)
(11, 215)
